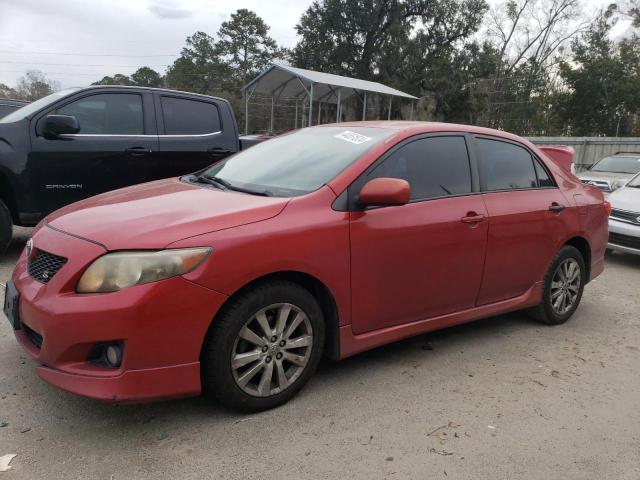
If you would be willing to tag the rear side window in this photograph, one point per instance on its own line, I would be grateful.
(434, 167)
(504, 166)
(543, 177)
(189, 117)
(107, 114)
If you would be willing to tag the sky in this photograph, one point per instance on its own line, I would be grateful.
(77, 42)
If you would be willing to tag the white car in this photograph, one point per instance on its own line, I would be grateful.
(624, 222)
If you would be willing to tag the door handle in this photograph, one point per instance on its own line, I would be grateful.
(472, 217)
(556, 207)
(137, 151)
(218, 151)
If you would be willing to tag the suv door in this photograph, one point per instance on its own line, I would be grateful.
(113, 148)
(192, 134)
(423, 259)
(526, 218)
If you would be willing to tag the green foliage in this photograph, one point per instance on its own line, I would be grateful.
(34, 85)
(603, 80)
(245, 46)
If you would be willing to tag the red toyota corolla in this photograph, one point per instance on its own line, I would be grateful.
(328, 240)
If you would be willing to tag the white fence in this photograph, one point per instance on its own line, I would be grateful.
(591, 149)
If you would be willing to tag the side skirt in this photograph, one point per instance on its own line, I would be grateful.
(351, 344)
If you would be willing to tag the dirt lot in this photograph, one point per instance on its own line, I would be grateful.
(502, 398)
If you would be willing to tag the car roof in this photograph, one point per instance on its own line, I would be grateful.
(150, 89)
(416, 127)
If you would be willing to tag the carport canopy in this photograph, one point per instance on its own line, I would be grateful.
(291, 82)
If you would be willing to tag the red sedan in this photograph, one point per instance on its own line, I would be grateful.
(328, 240)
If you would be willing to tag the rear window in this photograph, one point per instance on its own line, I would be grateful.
(189, 117)
(505, 166)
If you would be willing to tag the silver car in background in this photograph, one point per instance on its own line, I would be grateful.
(624, 221)
(612, 172)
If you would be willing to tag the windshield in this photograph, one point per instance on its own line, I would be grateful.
(298, 162)
(33, 107)
(634, 182)
(618, 164)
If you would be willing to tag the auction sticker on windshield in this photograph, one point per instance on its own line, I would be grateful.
(353, 137)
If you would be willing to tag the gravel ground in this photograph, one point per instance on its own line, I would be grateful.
(503, 398)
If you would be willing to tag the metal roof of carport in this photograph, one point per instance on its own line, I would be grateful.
(285, 81)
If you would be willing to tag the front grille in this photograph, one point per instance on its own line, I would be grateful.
(624, 216)
(43, 265)
(624, 240)
(33, 336)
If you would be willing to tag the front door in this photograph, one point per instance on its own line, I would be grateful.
(423, 259)
(113, 149)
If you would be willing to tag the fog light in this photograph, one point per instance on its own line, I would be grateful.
(113, 355)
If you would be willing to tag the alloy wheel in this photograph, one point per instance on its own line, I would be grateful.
(565, 286)
(272, 350)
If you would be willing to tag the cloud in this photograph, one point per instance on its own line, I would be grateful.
(163, 10)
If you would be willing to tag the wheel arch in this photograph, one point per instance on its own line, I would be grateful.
(582, 245)
(320, 292)
(7, 195)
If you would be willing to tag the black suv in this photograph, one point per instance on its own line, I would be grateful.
(83, 141)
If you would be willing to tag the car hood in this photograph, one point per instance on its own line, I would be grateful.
(626, 198)
(153, 215)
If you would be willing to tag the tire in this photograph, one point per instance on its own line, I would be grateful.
(6, 227)
(229, 338)
(552, 311)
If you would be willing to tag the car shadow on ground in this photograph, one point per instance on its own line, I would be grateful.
(624, 259)
(347, 375)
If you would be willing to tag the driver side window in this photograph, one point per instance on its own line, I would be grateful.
(434, 167)
(107, 114)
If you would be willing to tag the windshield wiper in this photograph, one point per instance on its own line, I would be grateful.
(207, 180)
(229, 186)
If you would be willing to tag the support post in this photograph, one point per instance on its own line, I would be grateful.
(302, 118)
(390, 100)
(295, 121)
(364, 107)
(271, 127)
(338, 107)
(319, 111)
(412, 104)
(246, 112)
(310, 105)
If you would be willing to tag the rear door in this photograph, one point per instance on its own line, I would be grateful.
(194, 133)
(527, 218)
(423, 259)
(114, 148)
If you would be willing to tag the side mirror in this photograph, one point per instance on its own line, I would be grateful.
(384, 192)
(56, 125)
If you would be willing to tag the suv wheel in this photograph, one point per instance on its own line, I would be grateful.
(563, 287)
(6, 227)
(263, 347)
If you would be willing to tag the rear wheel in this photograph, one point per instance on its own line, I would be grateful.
(563, 287)
(6, 227)
(263, 347)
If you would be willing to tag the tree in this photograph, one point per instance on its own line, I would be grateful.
(199, 68)
(34, 85)
(146, 77)
(603, 80)
(7, 92)
(245, 45)
(117, 79)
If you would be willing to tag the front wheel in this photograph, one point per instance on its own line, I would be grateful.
(6, 227)
(563, 287)
(263, 347)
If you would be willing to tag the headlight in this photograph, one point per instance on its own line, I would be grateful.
(118, 270)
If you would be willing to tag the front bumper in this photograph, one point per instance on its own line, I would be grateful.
(162, 326)
(624, 237)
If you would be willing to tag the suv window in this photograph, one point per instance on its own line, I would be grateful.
(504, 166)
(434, 167)
(189, 117)
(107, 114)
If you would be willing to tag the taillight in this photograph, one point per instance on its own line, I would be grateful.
(607, 208)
